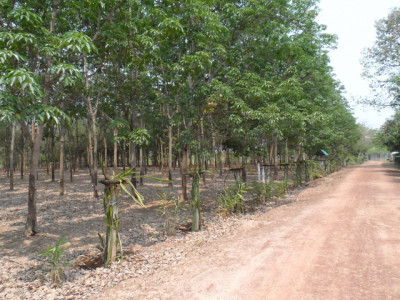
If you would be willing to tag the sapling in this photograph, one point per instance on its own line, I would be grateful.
(166, 199)
(54, 259)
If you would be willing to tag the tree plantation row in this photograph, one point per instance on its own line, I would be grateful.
(195, 85)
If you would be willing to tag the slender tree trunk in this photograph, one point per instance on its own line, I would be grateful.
(220, 161)
(170, 156)
(162, 162)
(31, 221)
(53, 155)
(12, 147)
(22, 156)
(90, 154)
(115, 165)
(183, 172)
(244, 175)
(123, 153)
(77, 161)
(71, 158)
(228, 160)
(62, 144)
(105, 154)
(214, 148)
(132, 147)
(287, 150)
(142, 171)
(202, 159)
(92, 116)
(276, 160)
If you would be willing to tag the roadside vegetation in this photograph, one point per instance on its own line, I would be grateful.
(209, 88)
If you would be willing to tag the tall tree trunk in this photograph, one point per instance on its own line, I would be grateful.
(214, 148)
(228, 160)
(244, 175)
(71, 158)
(162, 162)
(115, 161)
(62, 144)
(53, 155)
(31, 221)
(123, 154)
(132, 153)
(220, 161)
(183, 172)
(202, 145)
(286, 150)
(105, 154)
(142, 171)
(90, 153)
(276, 161)
(170, 184)
(12, 147)
(92, 116)
(22, 156)
(77, 160)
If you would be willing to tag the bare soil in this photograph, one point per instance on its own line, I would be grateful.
(335, 239)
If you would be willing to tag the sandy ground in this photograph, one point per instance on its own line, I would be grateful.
(79, 217)
(340, 240)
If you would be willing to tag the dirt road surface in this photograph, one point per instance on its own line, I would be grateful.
(340, 240)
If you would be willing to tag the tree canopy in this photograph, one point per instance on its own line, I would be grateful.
(196, 77)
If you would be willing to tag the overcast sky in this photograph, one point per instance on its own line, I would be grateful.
(353, 22)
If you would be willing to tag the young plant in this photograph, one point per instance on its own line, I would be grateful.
(315, 169)
(54, 259)
(231, 200)
(279, 189)
(166, 201)
(261, 191)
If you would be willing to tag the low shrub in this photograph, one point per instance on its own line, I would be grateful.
(231, 200)
(261, 191)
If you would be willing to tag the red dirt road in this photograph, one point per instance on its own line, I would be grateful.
(340, 240)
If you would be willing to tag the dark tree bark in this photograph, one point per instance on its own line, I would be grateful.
(12, 148)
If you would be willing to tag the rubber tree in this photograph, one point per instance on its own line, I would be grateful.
(34, 37)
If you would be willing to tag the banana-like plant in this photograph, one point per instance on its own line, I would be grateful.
(112, 242)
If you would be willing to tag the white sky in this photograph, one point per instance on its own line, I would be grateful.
(353, 22)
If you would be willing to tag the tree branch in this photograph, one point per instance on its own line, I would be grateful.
(26, 133)
(108, 19)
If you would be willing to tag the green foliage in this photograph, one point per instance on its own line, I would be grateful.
(232, 200)
(54, 255)
(381, 61)
(315, 169)
(389, 134)
(140, 136)
(77, 42)
(261, 191)
(264, 192)
(22, 80)
(279, 189)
